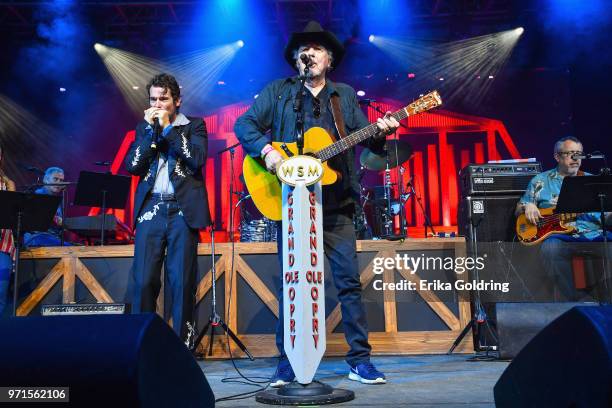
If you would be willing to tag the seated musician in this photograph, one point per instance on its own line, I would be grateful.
(53, 236)
(543, 192)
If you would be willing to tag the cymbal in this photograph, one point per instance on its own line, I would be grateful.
(372, 161)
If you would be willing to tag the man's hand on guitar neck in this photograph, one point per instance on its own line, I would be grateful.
(532, 213)
(272, 158)
(386, 125)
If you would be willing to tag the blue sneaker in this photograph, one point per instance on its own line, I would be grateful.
(366, 373)
(284, 374)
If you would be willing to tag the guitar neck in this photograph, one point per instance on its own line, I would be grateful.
(564, 217)
(354, 138)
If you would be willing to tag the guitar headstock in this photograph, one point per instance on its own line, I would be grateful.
(424, 103)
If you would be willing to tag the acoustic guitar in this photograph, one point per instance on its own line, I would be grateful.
(265, 188)
(550, 223)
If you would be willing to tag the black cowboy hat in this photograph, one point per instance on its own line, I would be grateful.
(314, 33)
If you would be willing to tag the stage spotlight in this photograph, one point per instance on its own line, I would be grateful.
(30, 139)
(371, 38)
(459, 67)
(411, 75)
(100, 48)
(360, 93)
(240, 43)
(62, 89)
(197, 72)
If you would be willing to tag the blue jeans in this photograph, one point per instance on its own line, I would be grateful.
(340, 249)
(6, 265)
(556, 254)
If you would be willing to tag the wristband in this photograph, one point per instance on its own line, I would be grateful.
(267, 149)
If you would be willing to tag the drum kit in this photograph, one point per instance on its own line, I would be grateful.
(376, 211)
(252, 228)
(383, 203)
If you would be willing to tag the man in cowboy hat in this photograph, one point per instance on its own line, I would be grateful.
(332, 106)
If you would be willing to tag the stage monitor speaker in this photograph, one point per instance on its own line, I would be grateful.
(567, 364)
(105, 360)
(518, 322)
(488, 218)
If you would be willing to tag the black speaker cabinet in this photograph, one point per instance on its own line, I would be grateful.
(519, 322)
(567, 364)
(104, 360)
(488, 218)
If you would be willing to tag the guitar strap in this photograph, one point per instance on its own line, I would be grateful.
(337, 114)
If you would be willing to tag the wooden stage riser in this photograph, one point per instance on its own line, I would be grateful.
(71, 268)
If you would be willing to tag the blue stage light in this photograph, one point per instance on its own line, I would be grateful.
(240, 43)
(371, 38)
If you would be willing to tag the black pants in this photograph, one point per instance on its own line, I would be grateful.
(162, 234)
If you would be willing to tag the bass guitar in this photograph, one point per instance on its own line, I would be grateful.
(550, 223)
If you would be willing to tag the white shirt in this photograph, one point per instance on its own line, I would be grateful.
(162, 178)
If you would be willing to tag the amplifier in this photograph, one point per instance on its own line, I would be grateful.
(506, 178)
(73, 309)
(488, 218)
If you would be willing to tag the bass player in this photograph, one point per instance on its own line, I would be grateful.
(542, 193)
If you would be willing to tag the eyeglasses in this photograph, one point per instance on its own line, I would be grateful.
(316, 107)
(571, 153)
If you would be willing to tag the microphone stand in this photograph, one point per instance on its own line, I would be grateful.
(229, 148)
(215, 320)
(428, 223)
(62, 235)
(298, 108)
(604, 171)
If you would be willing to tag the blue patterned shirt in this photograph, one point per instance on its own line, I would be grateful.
(543, 191)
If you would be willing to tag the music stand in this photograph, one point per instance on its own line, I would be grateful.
(589, 194)
(102, 190)
(25, 212)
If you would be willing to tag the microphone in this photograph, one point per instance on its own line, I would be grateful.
(156, 130)
(366, 101)
(102, 163)
(305, 59)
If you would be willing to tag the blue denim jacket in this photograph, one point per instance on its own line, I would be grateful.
(271, 118)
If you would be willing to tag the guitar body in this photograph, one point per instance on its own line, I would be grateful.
(264, 187)
(530, 234)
